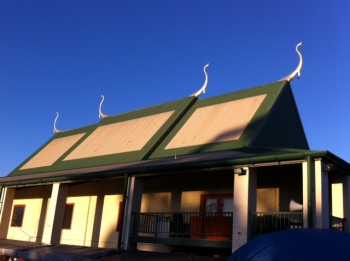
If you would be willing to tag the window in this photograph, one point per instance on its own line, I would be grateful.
(216, 203)
(17, 215)
(68, 214)
(119, 220)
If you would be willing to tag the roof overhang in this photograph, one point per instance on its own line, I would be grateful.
(226, 159)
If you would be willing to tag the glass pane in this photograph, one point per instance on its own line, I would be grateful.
(227, 204)
(211, 205)
(17, 216)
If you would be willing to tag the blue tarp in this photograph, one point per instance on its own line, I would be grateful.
(296, 245)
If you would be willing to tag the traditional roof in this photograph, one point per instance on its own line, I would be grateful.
(116, 139)
(264, 116)
(234, 125)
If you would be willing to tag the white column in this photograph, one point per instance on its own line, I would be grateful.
(6, 208)
(244, 200)
(305, 195)
(55, 214)
(321, 196)
(133, 204)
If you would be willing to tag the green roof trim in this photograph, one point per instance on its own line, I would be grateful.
(87, 130)
(185, 163)
(283, 127)
(179, 107)
(272, 91)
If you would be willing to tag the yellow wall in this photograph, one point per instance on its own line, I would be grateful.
(337, 200)
(267, 200)
(82, 221)
(155, 202)
(108, 233)
(30, 225)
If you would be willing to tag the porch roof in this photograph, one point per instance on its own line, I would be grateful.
(246, 156)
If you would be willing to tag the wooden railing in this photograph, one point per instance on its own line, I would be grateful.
(194, 225)
(262, 223)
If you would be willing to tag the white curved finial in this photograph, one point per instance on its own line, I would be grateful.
(55, 130)
(290, 77)
(101, 115)
(202, 90)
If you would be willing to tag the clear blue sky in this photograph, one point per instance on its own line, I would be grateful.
(62, 55)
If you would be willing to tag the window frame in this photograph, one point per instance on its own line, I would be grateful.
(69, 218)
(13, 224)
(119, 218)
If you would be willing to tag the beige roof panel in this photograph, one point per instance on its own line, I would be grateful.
(120, 137)
(52, 152)
(217, 123)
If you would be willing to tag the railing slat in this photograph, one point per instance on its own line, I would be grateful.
(262, 223)
(195, 225)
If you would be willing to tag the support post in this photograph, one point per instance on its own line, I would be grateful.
(6, 209)
(244, 201)
(321, 196)
(52, 232)
(133, 204)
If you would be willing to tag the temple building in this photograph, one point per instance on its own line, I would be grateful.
(207, 173)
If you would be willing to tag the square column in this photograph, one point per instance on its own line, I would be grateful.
(244, 201)
(6, 209)
(133, 204)
(321, 196)
(55, 214)
(308, 184)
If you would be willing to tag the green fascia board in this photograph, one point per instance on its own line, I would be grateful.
(283, 127)
(272, 92)
(261, 155)
(179, 107)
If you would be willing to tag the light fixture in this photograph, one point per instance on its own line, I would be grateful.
(239, 171)
(329, 167)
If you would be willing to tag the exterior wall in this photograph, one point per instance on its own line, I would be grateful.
(108, 233)
(191, 200)
(156, 202)
(285, 182)
(182, 192)
(337, 200)
(29, 229)
(80, 231)
(84, 231)
(268, 200)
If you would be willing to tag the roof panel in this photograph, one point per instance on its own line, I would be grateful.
(120, 137)
(126, 137)
(212, 124)
(52, 152)
(224, 122)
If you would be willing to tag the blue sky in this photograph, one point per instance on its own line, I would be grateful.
(62, 55)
